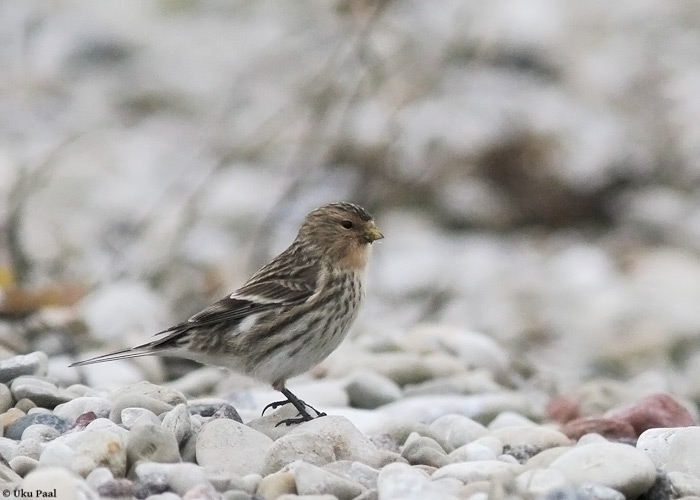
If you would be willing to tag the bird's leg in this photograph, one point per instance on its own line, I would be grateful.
(300, 405)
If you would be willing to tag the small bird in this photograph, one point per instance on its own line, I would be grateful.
(289, 316)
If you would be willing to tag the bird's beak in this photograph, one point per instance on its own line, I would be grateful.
(373, 233)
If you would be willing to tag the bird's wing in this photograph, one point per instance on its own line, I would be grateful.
(262, 293)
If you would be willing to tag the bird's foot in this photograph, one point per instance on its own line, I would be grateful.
(301, 406)
(303, 417)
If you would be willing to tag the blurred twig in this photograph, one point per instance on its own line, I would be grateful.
(29, 180)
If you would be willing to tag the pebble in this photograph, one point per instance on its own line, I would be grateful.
(178, 422)
(457, 430)
(41, 432)
(672, 449)
(610, 428)
(290, 496)
(161, 393)
(17, 428)
(654, 411)
(151, 442)
(421, 450)
(102, 443)
(322, 441)
(227, 411)
(66, 483)
(402, 482)
(218, 438)
(35, 363)
(371, 390)
(25, 405)
(477, 406)
(41, 392)
(537, 436)
(277, 484)
(8, 477)
(510, 419)
(98, 477)
(131, 416)
(479, 471)
(615, 465)
(72, 409)
(136, 400)
(355, 471)
(537, 483)
(474, 349)
(313, 480)
(10, 416)
(206, 407)
(116, 488)
(180, 477)
(6, 401)
(23, 465)
(486, 448)
(684, 483)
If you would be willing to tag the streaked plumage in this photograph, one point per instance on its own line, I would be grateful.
(290, 315)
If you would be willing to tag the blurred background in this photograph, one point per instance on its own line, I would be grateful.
(534, 165)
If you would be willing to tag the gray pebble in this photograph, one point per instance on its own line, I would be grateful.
(229, 412)
(403, 482)
(102, 443)
(72, 409)
(131, 416)
(355, 471)
(598, 492)
(8, 448)
(8, 477)
(188, 450)
(29, 448)
(293, 496)
(67, 484)
(157, 392)
(23, 465)
(233, 446)
(236, 495)
(325, 440)
(167, 495)
(313, 480)
(420, 450)
(57, 453)
(150, 480)
(367, 389)
(202, 491)
(156, 406)
(25, 405)
(40, 391)
(178, 422)
(98, 477)
(151, 442)
(116, 488)
(6, 401)
(16, 428)
(206, 407)
(41, 432)
(457, 430)
(34, 363)
(180, 477)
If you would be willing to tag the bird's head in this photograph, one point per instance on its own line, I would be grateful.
(341, 231)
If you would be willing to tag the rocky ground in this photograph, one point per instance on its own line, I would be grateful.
(531, 323)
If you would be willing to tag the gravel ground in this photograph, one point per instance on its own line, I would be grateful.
(531, 323)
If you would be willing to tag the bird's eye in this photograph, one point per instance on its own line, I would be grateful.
(346, 224)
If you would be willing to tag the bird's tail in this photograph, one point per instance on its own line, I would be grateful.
(147, 349)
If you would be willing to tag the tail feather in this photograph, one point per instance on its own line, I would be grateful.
(133, 352)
